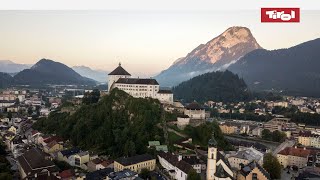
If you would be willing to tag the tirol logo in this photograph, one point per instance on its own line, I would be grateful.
(280, 14)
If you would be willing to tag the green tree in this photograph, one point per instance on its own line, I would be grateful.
(9, 115)
(92, 97)
(266, 134)
(272, 166)
(278, 136)
(145, 173)
(193, 175)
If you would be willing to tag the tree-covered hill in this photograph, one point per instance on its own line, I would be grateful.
(117, 125)
(5, 80)
(293, 71)
(216, 86)
(47, 71)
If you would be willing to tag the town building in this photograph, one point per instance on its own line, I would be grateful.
(280, 124)
(296, 156)
(253, 171)
(183, 121)
(33, 163)
(195, 111)
(217, 166)
(174, 165)
(98, 163)
(306, 138)
(245, 156)
(229, 128)
(135, 163)
(138, 87)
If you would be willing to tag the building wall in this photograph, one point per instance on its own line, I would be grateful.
(182, 122)
(228, 129)
(195, 114)
(57, 147)
(179, 175)
(260, 175)
(114, 78)
(292, 160)
(164, 97)
(235, 162)
(150, 165)
(139, 90)
(306, 141)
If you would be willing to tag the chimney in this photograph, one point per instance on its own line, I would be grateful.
(295, 147)
(179, 157)
(304, 148)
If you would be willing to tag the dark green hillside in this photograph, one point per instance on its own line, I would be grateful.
(5, 80)
(117, 125)
(47, 71)
(216, 86)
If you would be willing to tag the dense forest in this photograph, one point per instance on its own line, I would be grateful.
(5, 80)
(216, 86)
(293, 71)
(117, 125)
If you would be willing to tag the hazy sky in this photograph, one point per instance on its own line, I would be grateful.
(145, 42)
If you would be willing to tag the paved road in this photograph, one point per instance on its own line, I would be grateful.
(174, 131)
(271, 146)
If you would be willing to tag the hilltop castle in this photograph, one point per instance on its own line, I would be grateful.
(137, 87)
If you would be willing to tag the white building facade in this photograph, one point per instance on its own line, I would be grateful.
(138, 87)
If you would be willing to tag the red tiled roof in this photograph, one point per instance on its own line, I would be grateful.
(34, 132)
(106, 163)
(53, 138)
(66, 174)
(293, 151)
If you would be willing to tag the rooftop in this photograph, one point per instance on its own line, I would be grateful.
(137, 81)
(194, 106)
(248, 168)
(33, 161)
(126, 161)
(164, 91)
(119, 71)
(172, 159)
(295, 151)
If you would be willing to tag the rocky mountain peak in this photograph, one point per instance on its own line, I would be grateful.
(217, 54)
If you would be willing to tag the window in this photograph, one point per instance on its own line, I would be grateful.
(254, 176)
(77, 161)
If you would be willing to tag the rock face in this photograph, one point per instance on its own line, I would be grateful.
(292, 71)
(217, 54)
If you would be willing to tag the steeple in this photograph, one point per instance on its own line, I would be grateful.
(212, 142)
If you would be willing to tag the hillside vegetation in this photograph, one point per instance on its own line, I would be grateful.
(118, 125)
(215, 86)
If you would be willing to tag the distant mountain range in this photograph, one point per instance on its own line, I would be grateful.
(97, 75)
(45, 72)
(295, 70)
(10, 67)
(217, 54)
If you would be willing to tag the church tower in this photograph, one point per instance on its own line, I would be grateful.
(115, 75)
(212, 158)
